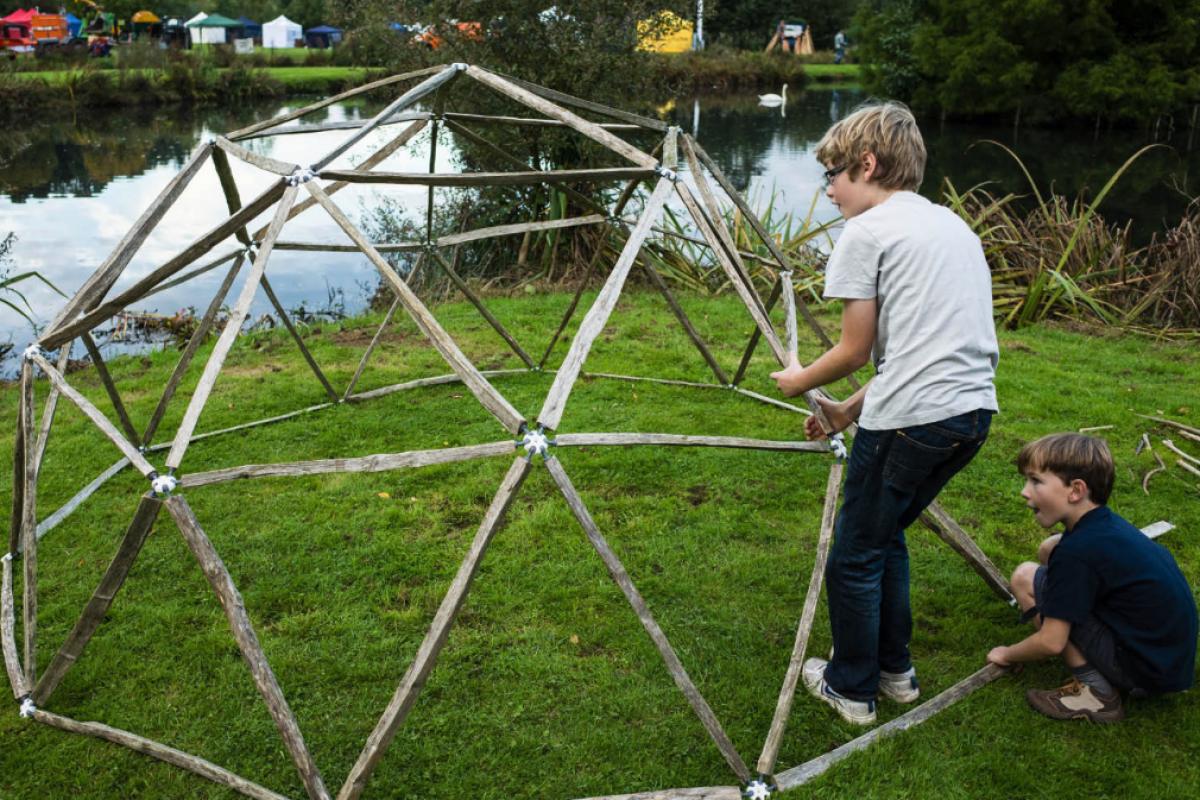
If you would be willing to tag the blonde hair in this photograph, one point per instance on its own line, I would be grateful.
(1072, 456)
(888, 130)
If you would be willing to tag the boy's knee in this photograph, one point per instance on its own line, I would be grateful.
(1022, 578)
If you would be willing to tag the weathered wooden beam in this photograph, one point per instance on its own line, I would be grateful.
(321, 247)
(405, 100)
(233, 327)
(798, 776)
(638, 379)
(18, 482)
(64, 359)
(233, 198)
(377, 158)
(684, 321)
(91, 412)
(254, 159)
(304, 351)
(180, 262)
(111, 388)
(683, 440)
(533, 100)
(756, 334)
(566, 99)
(29, 524)
(621, 578)
(52, 521)
(8, 639)
(520, 227)
(484, 119)
(767, 239)
(431, 647)
(937, 520)
(462, 286)
(198, 338)
(437, 380)
(328, 101)
(789, 314)
(783, 708)
(209, 267)
(491, 399)
(771, 401)
(366, 356)
(101, 601)
(239, 622)
(138, 744)
(244, 426)
(593, 324)
(94, 289)
(488, 178)
(383, 462)
(748, 296)
(286, 130)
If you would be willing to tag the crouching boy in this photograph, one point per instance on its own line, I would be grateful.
(1108, 600)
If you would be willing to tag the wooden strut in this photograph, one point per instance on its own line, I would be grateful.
(304, 351)
(693, 793)
(271, 123)
(64, 358)
(383, 462)
(381, 155)
(111, 388)
(621, 578)
(533, 100)
(29, 525)
(771, 401)
(462, 286)
(328, 247)
(937, 520)
(285, 130)
(209, 267)
(273, 165)
(366, 356)
(766, 238)
(8, 641)
(235, 611)
(488, 179)
(101, 601)
(437, 380)
(399, 104)
(484, 119)
(180, 262)
(776, 293)
(98, 419)
(198, 338)
(204, 769)
(684, 440)
(717, 222)
(789, 315)
(522, 227)
(233, 327)
(95, 287)
(18, 483)
(492, 400)
(593, 324)
(684, 321)
(431, 647)
(783, 709)
(52, 521)
(798, 776)
(566, 99)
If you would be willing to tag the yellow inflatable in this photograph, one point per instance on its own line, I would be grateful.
(676, 34)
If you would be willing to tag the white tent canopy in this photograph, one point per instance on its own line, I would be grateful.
(204, 35)
(281, 32)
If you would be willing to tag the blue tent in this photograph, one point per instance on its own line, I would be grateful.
(322, 36)
(74, 24)
(250, 29)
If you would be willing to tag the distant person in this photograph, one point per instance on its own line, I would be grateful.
(1106, 599)
(917, 299)
(839, 47)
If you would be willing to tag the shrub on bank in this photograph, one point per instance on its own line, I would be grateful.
(728, 70)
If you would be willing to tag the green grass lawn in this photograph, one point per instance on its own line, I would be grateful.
(548, 686)
(832, 72)
(289, 76)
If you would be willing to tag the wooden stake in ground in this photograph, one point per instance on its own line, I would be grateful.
(418, 672)
(783, 709)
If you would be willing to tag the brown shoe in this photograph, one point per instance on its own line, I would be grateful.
(1074, 700)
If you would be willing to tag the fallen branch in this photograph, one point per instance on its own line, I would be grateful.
(1096, 428)
(1171, 446)
(1172, 423)
(1188, 467)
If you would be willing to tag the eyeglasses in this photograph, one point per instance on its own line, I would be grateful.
(831, 174)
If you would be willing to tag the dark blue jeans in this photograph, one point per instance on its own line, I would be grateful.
(893, 475)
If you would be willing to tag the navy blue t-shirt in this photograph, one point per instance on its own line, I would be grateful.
(1107, 568)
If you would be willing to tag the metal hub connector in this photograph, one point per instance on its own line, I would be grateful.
(302, 175)
(669, 174)
(163, 484)
(758, 790)
(536, 443)
(33, 350)
(28, 708)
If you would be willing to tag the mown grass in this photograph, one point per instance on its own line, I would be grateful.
(548, 687)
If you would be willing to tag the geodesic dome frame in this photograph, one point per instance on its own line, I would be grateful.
(91, 307)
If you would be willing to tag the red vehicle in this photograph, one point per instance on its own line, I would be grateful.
(30, 32)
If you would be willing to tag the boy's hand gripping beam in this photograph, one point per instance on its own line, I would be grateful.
(837, 442)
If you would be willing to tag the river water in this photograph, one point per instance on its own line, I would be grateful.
(70, 189)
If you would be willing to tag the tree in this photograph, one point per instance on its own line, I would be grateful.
(749, 24)
(1040, 59)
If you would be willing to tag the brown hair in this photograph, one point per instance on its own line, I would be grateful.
(1072, 456)
(888, 130)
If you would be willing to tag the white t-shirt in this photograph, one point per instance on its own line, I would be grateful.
(935, 348)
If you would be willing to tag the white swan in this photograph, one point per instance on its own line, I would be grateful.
(773, 99)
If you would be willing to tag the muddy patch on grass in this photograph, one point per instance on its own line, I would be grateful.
(361, 337)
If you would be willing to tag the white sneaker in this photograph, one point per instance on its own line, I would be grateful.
(899, 687)
(855, 712)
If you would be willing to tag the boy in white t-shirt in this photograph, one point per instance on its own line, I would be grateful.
(917, 300)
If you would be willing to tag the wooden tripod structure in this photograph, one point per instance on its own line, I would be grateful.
(92, 306)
